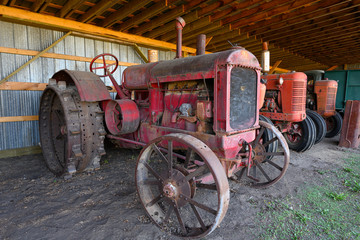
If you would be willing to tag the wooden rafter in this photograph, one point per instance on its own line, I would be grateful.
(98, 9)
(124, 11)
(69, 8)
(144, 15)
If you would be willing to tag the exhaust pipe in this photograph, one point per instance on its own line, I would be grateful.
(200, 44)
(179, 25)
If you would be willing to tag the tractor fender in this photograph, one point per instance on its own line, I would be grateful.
(88, 84)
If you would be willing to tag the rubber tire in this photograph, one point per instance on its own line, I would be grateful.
(307, 127)
(337, 119)
(269, 135)
(320, 125)
(312, 135)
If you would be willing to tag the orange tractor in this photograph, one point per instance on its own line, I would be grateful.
(321, 98)
(284, 105)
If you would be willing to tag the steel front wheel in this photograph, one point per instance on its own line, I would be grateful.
(261, 171)
(184, 193)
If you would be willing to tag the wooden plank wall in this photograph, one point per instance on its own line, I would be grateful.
(19, 134)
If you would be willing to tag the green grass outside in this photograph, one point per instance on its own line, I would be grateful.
(327, 209)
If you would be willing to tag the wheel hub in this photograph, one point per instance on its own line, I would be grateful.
(258, 148)
(170, 190)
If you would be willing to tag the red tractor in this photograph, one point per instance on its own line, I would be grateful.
(321, 98)
(187, 115)
(284, 104)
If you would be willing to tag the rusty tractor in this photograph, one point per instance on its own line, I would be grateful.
(187, 115)
(284, 105)
(321, 98)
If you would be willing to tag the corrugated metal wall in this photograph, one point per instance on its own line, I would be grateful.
(26, 103)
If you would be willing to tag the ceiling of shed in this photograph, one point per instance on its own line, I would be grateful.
(304, 34)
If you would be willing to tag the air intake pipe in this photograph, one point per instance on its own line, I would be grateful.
(200, 44)
(179, 25)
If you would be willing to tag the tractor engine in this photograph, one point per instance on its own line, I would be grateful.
(285, 97)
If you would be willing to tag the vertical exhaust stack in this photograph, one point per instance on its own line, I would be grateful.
(265, 58)
(200, 44)
(179, 25)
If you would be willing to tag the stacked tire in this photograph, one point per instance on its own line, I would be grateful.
(333, 125)
(320, 125)
(302, 135)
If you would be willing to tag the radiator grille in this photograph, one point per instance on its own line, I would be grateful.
(330, 100)
(299, 96)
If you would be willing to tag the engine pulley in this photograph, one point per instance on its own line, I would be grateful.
(121, 116)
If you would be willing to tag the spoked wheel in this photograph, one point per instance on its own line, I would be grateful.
(71, 132)
(333, 125)
(186, 194)
(302, 135)
(268, 135)
(263, 172)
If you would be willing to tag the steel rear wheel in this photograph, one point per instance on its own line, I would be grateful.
(71, 132)
(264, 172)
(184, 193)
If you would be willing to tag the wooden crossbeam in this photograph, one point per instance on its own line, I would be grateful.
(141, 54)
(332, 68)
(23, 86)
(274, 67)
(35, 57)
(29, 86)
(19, 119)
(23, 16)
(57, 56)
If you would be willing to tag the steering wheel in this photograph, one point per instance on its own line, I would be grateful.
(105, 66)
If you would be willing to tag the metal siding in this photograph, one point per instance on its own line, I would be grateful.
(26, 103)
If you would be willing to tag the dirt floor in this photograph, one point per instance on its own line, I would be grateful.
(34, 204)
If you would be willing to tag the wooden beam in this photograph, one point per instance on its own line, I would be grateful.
(20, 152)
(19, 119)
(129, 8)
(141, 54)
(35, 57)
(20, 86)
(274, 67)
(29, 86)
(23, 16)
(208, 40)
(98, 9)
(332, 68)
(57, 56)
